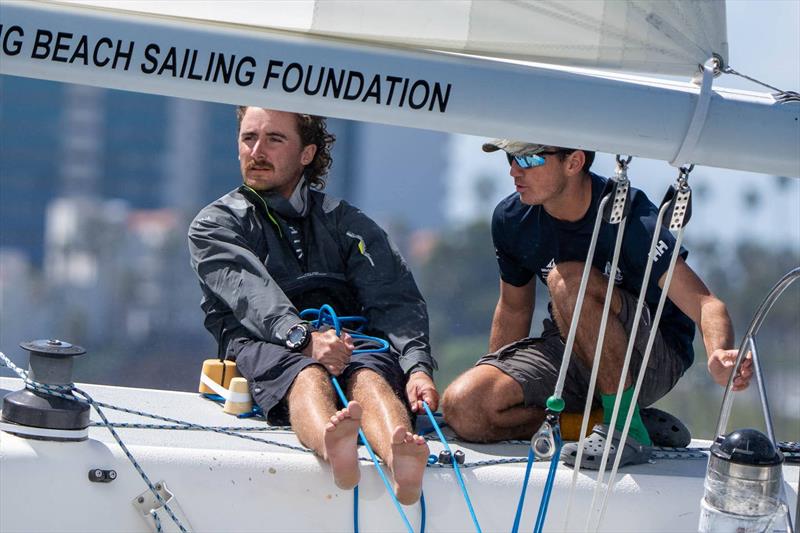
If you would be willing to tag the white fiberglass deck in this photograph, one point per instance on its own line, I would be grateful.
(224, 483)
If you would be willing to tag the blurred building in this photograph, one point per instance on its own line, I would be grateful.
(156, 152)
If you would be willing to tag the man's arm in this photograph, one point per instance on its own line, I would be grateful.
(230, 269)
(691, 295)
(513, 314)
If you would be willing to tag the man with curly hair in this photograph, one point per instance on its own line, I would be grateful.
(277, 245)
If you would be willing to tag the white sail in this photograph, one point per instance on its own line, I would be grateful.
(653, 36)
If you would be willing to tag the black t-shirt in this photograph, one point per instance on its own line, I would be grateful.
(529, 241)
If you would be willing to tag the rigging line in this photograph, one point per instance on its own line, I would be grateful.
(640, 303)
(621, 177)
(640, 378)
(521, 502)
(573, 327)
(455, 466)
(677, 201)
(548, 486)
(542, 443)
(555, 404)
(780, 95)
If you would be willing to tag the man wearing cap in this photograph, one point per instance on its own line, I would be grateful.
(277, 245)
(543, 230)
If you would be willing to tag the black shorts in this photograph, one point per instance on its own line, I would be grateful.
(535, 362)
(271, 369)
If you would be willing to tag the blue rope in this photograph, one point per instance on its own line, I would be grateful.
(372, 455)
(548, 486)
(311, 313)
(423, 511)
(521, 503)
(326, 315)
(455, 466)
(355, 509)
(336, 322)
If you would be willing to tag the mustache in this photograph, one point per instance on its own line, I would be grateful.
(258, 165)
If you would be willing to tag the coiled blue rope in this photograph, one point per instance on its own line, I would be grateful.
(455, 466)
(325, 315)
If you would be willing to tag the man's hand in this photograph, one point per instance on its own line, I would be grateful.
(720, 366)
(420, 388)
(330, 351)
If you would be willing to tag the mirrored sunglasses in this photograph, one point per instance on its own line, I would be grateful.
(530, 161)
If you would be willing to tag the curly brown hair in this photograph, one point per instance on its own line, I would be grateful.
(312, 130)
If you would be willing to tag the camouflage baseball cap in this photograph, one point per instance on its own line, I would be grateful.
(513, 147)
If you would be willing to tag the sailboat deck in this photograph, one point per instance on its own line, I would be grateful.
(224, 483)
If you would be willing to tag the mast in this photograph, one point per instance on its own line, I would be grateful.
(437, 91)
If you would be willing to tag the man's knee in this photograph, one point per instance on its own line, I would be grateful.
(462, 395)
(472, 401)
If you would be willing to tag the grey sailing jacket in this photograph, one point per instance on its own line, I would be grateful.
(254, 279)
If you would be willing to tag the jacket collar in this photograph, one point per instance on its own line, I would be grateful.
(297, 206)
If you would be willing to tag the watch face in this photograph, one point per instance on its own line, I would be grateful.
(296, 335)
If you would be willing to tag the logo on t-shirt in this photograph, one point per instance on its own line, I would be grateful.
(617, 276)
(550, 266)
(661, 247)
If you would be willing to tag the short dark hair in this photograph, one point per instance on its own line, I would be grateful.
(312, 130)
(589, 154)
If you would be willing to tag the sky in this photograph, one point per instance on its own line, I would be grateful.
(764, 43)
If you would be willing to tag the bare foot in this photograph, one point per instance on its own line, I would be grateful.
(409, 456)
(341, 451)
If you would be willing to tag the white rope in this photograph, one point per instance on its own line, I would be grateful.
(587, 410)
(573, 327)
(686, 151)
(650, 340)
(624, 372)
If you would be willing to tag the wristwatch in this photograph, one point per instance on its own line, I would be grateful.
(298, 337)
